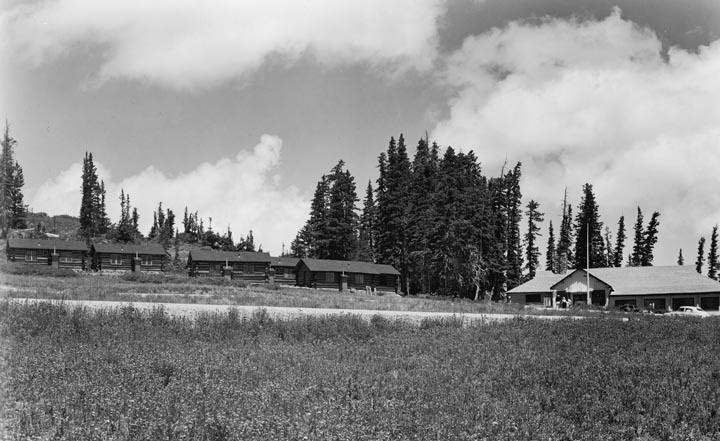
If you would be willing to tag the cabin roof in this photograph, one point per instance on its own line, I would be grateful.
(199, 255)
(349, 266)
(284, 261)
(47, 244)
(129, 248)
(542, 282)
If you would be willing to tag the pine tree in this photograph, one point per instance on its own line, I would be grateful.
(564, 245)
(551, 253)
(318, 245)
(638, 246)
(532, 252)
(680, 260)
(186, 222)
(609, 255)
(514, 213)
(589, 227)
(650, 239)
(103, 219)
(619, 243)
(176, 244)
(712, 259)
(366, 241)
(12, 207)
(341, 216)
(700, 255)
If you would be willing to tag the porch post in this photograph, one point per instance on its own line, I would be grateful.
(553, 303)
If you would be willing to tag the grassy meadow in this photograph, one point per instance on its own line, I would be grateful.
(125, 375)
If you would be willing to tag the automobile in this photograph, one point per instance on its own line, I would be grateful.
(694, 311)
(628, 308)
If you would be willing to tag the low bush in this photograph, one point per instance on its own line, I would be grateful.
(36, 270)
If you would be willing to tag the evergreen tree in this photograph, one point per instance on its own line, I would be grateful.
(680, 260)
(609, 255)
(619, 243)
(318, 245)
(564, 250)
(186, 222)
(366, 242)
(12, 207)
(532, 252)
(176, 244)
(589, 232)
(700, 255)
(88, 216)
(341, 216)
(650, 239)
(103, 219)
(712, 259)
(514, 245)
(300, 245)
(638, 246)
(551, 253)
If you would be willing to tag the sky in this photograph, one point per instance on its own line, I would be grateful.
(236, 109)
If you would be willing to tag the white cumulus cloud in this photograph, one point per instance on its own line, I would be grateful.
(595, 101)
(242, 192)
(191, 44)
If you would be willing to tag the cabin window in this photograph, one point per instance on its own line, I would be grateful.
(330, 277)
(116, 259)
(147, 259)
(359, 279)
(533, 298)
(31, 255)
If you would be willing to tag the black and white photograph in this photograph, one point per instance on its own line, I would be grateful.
(360, 220)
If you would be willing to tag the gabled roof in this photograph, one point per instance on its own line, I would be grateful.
(678, 279)
(542, 282)
(47, 244)
(632, 280)
(129, 248)
(229, 256)
(349, 266)
(284, 261)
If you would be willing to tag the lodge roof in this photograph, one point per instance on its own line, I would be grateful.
(47, 244)
(349, 266)
(542, 282)
(129, 248)
(229, 256)
(284, 261)
(631, 280)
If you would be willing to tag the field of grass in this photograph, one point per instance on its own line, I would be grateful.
(26, 281)
(125, 375)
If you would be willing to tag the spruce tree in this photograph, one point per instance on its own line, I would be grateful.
(551, 253)
(619, 243)
(514, 214)
(12, 207)
(638, 246)
(609, 255)
(680, 259)
(366, 240)
(700, 255)
(650, 238)
(712, 259)
(564, 251)
(318, 246)
(589, 232)
(532, 251)
(341, 216)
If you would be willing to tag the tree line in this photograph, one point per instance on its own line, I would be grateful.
(452, 230)
(13, 210)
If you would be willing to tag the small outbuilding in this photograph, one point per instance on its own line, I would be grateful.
(645, 287)
(242, 265)
(70, 254)
(341, 275)
(285, 269)
(128, 257)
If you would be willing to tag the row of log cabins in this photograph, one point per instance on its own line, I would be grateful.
(257, 267)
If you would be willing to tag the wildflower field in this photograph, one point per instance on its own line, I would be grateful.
(125, 375)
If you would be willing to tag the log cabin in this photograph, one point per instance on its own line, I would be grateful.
(69, 254)
(343, 275)
(249, 266)
(128, 257)
(285, 269)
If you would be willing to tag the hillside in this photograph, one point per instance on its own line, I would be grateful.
(64, 224)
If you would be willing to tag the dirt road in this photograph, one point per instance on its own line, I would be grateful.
(191, 310)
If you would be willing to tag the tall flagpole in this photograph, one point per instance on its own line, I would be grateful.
(587, 262)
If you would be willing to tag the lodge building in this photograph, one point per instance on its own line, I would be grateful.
(241, 265)
(57, 253)
(645, 287)
(342, 275)
(127, 257)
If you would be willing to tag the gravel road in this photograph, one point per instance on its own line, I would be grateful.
(191, 310)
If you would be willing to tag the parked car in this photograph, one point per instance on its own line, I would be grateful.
(694, 311)
(628, 308)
